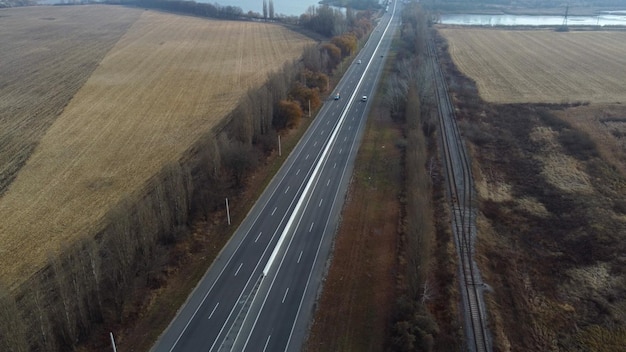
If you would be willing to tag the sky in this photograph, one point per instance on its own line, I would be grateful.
(285, 7)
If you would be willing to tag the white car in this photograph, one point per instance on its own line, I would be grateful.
(358, 62)
(364, 98)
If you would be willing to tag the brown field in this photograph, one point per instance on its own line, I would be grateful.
(541, 66)
(168, 80)
(41, 68)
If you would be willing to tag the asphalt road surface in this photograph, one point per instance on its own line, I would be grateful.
(260, 292)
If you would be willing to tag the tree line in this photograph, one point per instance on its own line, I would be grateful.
(329, 21)
(355, 4)
(199, 9)
(268, 12)
(408, 94)
(91, 284)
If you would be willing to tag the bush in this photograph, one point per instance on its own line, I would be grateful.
(578, 144)
(305, 96)
(475, 134)
(239, 159)
(267, 142)
(552, 121)
(619, 206)
(287, 114)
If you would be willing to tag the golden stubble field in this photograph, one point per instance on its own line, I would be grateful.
(541, 66)
(168, 80)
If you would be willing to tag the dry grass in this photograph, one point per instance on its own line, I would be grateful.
(541, 65)
(551, 185)
(558, 168)
(606, 124)
(168, 80)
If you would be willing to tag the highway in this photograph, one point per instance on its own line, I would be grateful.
(260, 292)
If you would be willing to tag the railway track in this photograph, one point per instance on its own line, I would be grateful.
(460, 188)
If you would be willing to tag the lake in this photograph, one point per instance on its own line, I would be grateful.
(609, 18)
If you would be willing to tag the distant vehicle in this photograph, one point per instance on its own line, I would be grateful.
(364, 98)
(358, 62)
(337, 96)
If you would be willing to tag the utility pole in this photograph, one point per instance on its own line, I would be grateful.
(113, 342)
(227, 211)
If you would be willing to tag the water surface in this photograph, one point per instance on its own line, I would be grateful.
(609, 18)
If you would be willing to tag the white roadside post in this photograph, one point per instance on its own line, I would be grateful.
(227, 211)
(113, 342)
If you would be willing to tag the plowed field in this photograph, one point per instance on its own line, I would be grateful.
(165, 82)
(541, 66)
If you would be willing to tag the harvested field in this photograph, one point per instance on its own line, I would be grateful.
(168, 80)
(541, 66)
(41, 68)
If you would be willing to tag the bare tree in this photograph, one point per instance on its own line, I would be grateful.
(265, 10)
(91, 250)
(242, 123)
(64, 308)
(271, 10)
(13, 332)
(311, 58)
(119, 246)
(36, 309)
(239, 158)
(395, 95)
